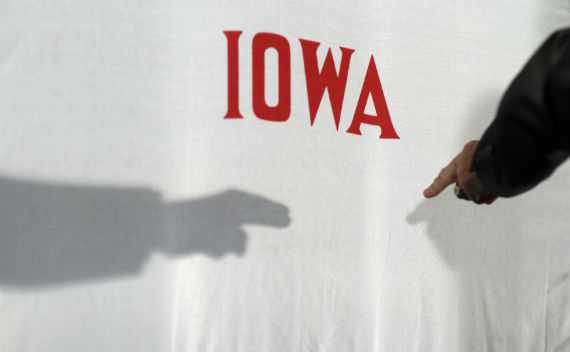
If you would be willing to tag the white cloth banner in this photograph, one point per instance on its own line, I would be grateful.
(139, 212)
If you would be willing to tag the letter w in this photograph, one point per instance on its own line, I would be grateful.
(327, 78)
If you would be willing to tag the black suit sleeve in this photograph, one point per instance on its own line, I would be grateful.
(530, 135)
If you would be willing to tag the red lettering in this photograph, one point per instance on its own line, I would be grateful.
(233, 75)
(372, 86)
(326, 79)
(262, 42)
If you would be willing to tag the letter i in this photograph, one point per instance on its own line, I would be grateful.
(233, 75)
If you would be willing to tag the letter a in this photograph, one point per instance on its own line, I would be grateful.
(372, 86)
(326, 79)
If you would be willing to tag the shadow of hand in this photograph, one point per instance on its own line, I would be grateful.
(213, 224)
(53, 233)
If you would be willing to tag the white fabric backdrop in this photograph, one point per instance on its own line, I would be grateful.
(133, 217)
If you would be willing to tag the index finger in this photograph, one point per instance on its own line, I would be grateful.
(446, 177)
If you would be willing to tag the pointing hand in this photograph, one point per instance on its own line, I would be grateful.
(458, 172)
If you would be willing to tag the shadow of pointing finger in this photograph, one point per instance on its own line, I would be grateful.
(52, 234)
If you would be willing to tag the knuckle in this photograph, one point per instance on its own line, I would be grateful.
(470, 145)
